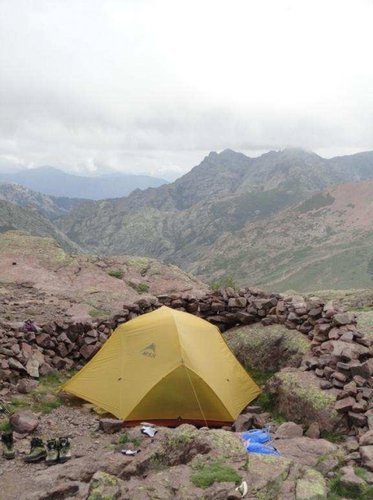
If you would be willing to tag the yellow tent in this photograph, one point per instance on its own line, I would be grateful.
(166, 367)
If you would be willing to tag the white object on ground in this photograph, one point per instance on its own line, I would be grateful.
(243, 489)
(149, 431)
(130, 453)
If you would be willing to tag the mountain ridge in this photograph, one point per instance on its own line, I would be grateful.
(55, 182)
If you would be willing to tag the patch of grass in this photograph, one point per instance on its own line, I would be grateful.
(45, 397)
(337, 490)
(225, 282)
(260, 377)
(331, 436)
(205, 475)
(98, 313)
(124, 438)
(5, 425)
(158, 462)
(267, 402)
(360, 472)
(116, 273)
(142, 288)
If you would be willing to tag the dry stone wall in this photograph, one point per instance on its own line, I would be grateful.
(342, 357)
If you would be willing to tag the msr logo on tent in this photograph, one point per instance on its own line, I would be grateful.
(149, 351)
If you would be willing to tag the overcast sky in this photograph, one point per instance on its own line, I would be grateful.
(153, 85)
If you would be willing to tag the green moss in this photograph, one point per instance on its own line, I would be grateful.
(206, 474)
(318, 399)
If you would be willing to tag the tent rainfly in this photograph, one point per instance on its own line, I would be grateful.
(166, 367)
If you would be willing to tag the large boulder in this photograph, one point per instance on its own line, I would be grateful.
(297, 395)
(267, 348)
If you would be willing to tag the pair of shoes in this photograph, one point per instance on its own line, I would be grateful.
(58, 451)
(54, 451)
(7, 441)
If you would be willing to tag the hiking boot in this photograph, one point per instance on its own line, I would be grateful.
(52, 452)
(37, 451)
(64, 449)
(8, 450)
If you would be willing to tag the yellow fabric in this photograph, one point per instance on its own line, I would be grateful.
(166, 364)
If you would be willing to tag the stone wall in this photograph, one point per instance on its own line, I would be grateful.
(341, 355)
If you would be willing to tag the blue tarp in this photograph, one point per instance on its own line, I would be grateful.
(255, 439)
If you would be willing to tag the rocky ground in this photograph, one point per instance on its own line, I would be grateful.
(182, 463)
(311, 356)
(39, 280)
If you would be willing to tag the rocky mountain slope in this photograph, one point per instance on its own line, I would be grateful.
(323, 242)
(49, 206)
(52, 181)
(40, 280)
(14, 217)
(189, 221)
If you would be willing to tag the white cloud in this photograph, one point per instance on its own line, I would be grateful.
(137, 84)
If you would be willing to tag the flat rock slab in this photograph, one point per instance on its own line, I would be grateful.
(307, 451)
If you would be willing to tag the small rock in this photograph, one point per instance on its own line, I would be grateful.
(243, 422)
(366, 439)
(24, 422)
(289, 430)
(350, 480)
(110, 425)
(345, 404)
(313, 431)
(26, 385)
(366, 453)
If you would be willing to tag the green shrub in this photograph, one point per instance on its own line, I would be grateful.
(331, 436)
(225, 282)
(116, 274)
(142, 288)
(98, 313)
(5, 426)
(207, 474)
(124, 438)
